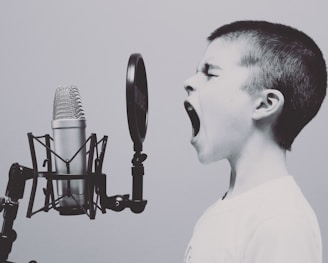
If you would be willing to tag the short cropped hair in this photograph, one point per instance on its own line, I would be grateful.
(285, 59)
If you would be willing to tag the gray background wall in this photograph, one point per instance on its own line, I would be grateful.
(44, 44)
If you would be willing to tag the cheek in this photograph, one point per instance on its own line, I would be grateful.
(222, 112)
(226, 127)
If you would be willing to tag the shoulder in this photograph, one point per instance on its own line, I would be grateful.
(285, 238)
(287, 229)
(286, 208)
(284, 197)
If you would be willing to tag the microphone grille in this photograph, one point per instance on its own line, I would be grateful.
(68, 104)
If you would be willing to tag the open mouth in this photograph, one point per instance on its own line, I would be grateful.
(195, 122)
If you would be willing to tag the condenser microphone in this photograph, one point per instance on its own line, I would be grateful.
(69, 137)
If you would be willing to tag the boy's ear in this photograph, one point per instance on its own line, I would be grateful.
(268, 104)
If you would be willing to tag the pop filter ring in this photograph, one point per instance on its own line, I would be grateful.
(137, 100)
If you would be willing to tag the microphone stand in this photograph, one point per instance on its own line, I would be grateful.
(95, 185)
(18, 175)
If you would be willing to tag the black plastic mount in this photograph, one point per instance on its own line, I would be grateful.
(96, 196)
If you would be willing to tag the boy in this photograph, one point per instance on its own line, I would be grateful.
(257, 86)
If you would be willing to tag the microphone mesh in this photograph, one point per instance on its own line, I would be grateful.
(68, 104)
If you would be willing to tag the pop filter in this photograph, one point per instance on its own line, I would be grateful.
(137, 100)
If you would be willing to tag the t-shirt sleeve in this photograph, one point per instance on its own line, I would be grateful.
(284, 239)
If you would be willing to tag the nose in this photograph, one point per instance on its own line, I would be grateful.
(188, 86)
(189, 89)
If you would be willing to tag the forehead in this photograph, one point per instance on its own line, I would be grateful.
(224, 53)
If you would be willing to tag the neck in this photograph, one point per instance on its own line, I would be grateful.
(255, 166)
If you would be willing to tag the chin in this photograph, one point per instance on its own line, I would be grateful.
(206, 158)
(209, 156)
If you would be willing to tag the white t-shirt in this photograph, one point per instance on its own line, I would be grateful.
(272, 223)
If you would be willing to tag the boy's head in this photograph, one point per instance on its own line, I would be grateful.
(254, 72)
(284, 59)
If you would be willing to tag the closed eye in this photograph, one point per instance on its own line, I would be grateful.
(209, 75)
(208, 69)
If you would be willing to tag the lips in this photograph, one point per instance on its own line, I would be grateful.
(195, 122)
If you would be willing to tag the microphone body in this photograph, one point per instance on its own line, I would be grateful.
(69, 136)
